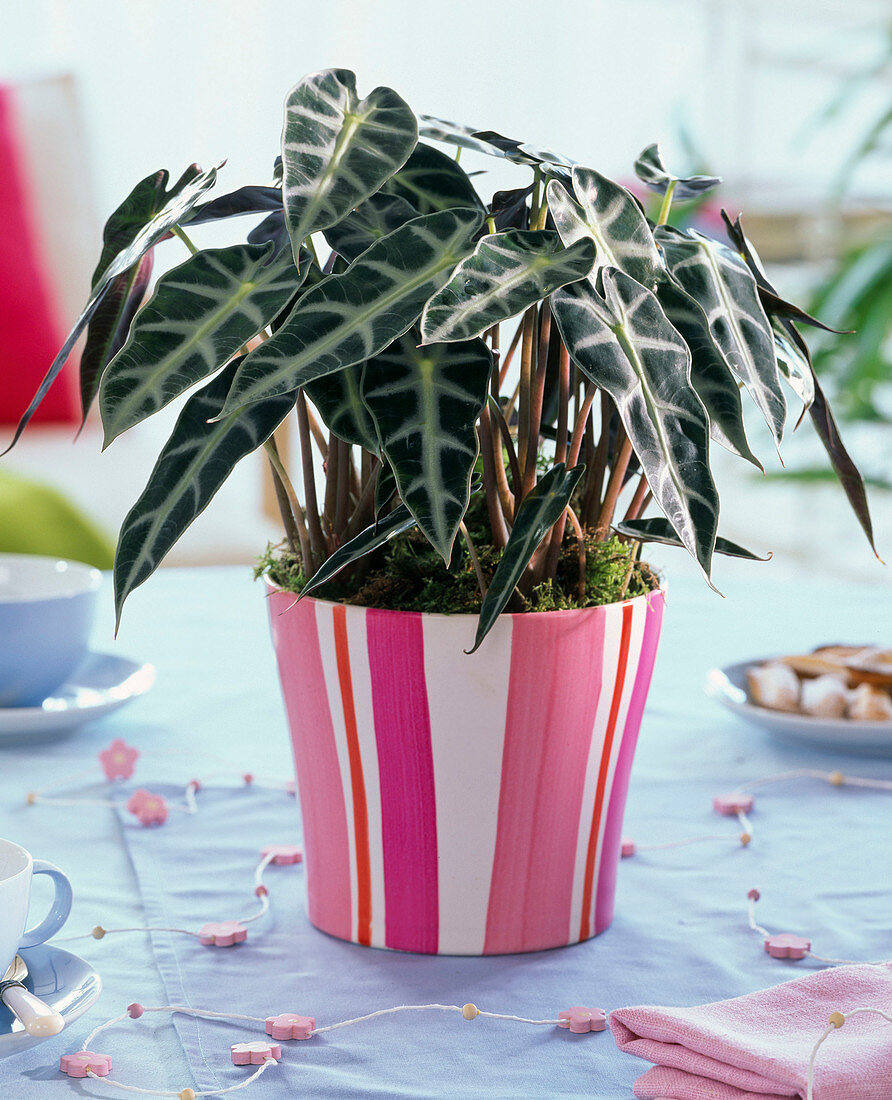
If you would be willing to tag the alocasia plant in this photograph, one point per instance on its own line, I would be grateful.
(633, 343)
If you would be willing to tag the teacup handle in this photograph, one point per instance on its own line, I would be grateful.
(60, 909)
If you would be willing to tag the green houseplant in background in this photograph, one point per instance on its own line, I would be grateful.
(464, 470)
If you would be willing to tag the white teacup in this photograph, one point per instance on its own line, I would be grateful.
(16, 869)
(46, 615)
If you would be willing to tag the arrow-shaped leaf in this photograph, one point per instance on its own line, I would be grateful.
(794, 366)
(537, 514)
(714, 383)
(455, 133)
(609, 215)
(430, 181)
(649, 168)
(715, 277)
(659, 529)
(626, 346)
(201, 313)
(819, 409)
(425, 403)
(506, 273)
(194, 463)
(338, 397)
(385, 487)
(177, 203)
(369, 222)
(395, 523)
(108, 329)
(251, 199)
(338, 149)
(348, 318)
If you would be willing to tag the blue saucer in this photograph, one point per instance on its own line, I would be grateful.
(101, 684)
(66, 982)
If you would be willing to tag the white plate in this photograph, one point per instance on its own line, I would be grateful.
(100, 685)
(728, 687)
(66, 982)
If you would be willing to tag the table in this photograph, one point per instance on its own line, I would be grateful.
(680, 934)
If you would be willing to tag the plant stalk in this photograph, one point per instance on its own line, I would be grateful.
(512, 348)
(177, 232)
(317, 538)
(580, 539)
(527, 369)
(481, 583)
(286, 499)
(494, 506)
(614, 488)
(666, 205)
(537, 396)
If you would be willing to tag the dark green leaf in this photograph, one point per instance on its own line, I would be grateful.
(194, 463)
(506, 273)
(385, 487)
(425, 403)
(714, 383)
(369, 222)
(338, 397)
(718, 279)
(348, 318)
(649, 168)
(176, 204)
(108, 329)
(659, 529)
(455, 133)
(626, 346)
(431, 181)
(535, 517)
(395, 523)
(201, 313)
(337, 149)
(609, 215)
(246, 200)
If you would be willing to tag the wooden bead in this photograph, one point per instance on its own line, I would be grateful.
(836, 778)
(187, 1094)
(31, 797)
(745, 838)
(470, 1011)
(837, 1019)
(98, 932)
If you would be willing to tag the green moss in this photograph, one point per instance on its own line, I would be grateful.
(408, 575)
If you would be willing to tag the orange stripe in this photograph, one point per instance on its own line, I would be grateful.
(360, 810)
(585, 926)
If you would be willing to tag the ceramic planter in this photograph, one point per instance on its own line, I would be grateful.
(454, 804)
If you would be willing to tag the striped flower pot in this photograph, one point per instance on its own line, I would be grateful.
(463, 805)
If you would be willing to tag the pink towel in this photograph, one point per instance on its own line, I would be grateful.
(757, 1047)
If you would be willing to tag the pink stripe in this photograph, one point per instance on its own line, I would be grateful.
(551, 714)
(296, 641)
(406, 773)
(629, 739)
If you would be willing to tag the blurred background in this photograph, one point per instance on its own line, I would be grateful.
(790, 102)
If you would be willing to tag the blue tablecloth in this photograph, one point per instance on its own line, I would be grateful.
(820, 858)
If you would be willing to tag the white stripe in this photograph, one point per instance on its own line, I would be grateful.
(325, 626)
(636, 636)
(612, 631)
(467, 737)
(368, 751)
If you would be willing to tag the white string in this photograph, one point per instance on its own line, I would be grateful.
(81, 773)
(169, 1092)
(811, 954)
(810, 1077)
(687, 840)
(745, 823)
(110, 931)
(752, 918)
(422, 1008)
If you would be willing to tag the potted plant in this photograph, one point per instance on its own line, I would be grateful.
(476, 489)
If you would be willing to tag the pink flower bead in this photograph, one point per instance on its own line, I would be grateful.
(283, 853)
(733, 804)
(254, 1054)
(288, 1025)
(222, 933)
(148, 808)
(627, 847)
(77, 1065)
(786, 945)
(580, 1019)
(118, 759)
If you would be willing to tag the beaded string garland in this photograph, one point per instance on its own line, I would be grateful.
(118, 761)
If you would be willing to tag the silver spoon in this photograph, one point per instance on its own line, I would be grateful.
(36, 1017)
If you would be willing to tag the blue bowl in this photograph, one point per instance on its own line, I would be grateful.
(46, 616)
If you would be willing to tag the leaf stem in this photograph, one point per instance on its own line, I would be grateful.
(177, 232)
(614, 487)
(527, 369)
(317, 538)
(494, 506)
(580, 538)
(512, 347)
(481, 583)
(666, 206)
(286, 498)
(537, 394)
